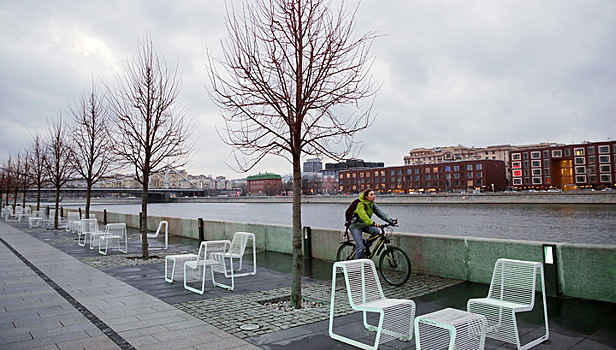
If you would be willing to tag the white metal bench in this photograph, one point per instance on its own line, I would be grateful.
(365, 294)
(512, 290)
(155, 235)
(450, 329)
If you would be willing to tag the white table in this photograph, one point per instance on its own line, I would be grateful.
(450, 329)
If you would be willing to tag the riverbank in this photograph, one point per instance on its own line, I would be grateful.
(571, 197)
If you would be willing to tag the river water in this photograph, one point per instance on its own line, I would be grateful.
(554, 223)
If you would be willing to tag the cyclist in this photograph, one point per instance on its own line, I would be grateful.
(362, 222)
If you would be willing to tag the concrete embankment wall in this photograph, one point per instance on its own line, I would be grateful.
(583, 271)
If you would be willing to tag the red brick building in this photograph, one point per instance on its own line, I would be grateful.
(484, 174)
(266, 184)
(565, 167)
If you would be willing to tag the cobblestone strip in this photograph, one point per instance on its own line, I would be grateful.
(229, 313)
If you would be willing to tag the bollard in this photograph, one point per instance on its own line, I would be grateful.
(307, 244)
(79, 213)
(201, 231)
(47, 211)
(61, 212)
(105, 216)
(140, 224)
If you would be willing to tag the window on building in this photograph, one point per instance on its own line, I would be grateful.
(479, 182)
(547, 180)
(456, 175)
(399, 171)
(614, 148)
(537, 181)
(580, 179)
(456, 168)
(567, 152)
(517, 173)
(592, 169)
(479, 174)
(526, 172)
(580, 170)
(592, 160)
(417, 177)
(604, 149)
(392, 172)
(546, 154)
(546, 163)
(469, 167)
(382, 172)
(428, 184)
(590, 150)
(448, 169)
(361, 175)
(536, 163)
(604, 159)
(409, 171)
(469, 175)
(427, 177)
(517, 181)
(516, 156)
(435, 169)
(527, 181)
(535, 155)
(526, 164)
(606, 178)
(525, 155)
(478, 167)
(580, 160)
(605, 168)
(427, 170)
(557, 153)
(416, 171)
(578, 151)
(536, 172)
(516, 165)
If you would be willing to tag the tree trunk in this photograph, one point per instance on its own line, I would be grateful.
(88, 195)
(38, 198)
(144, 221)
(55, 219)
(296, 272)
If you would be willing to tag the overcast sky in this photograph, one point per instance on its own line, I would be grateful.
(475, 73)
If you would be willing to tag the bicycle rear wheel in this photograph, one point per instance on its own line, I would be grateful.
(346, 252)
(395, 266)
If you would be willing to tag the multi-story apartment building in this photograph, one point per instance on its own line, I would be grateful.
(482, 174)
(566, 167)
(314, 165)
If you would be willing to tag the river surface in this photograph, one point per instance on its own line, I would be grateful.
(594, 224)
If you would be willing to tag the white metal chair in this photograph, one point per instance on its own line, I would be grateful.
(10, 215)
(365, 294)
(49, 219)
(211, 254)
(88, 227)
(25, 214)
(512, 290)
(73, 221)
(238, 247)
(113, 232)
(155, 235)
(36, 218)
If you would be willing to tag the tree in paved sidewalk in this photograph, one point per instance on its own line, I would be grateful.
(59, 151)
(93, 146)
(37, 160)
(287, 65)
(151, 134)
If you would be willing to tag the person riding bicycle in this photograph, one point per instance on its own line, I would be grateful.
(362, 221)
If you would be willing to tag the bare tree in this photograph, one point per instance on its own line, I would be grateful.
(57, 163)
(92, 141)
(152, 135)
(26, 179)
(18, 175)
(287, 65)
(38, 170)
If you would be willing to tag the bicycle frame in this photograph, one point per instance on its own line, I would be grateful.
(381, 242)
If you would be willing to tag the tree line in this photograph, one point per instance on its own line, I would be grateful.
(135, 123)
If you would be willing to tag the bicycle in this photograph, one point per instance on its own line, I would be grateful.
(394, 263)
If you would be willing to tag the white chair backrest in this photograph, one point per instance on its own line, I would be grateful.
(38, 213)
(209, 249)
(73, 216)
(52, 213)
(363, 284)
(89, 225)
(514, 281)
(116, 229)
(238, 244)
(27, 210)
(19, 210)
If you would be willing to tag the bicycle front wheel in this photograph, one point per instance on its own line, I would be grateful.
(395, 266)
(346, 252)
